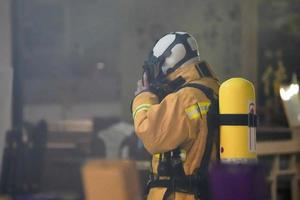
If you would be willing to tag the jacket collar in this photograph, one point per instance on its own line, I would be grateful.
(188, 72)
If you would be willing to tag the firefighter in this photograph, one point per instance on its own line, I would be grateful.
(171, 111)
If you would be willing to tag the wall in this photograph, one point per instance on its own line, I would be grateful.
(217, 25)
(5, 73)
(119, 35)
(60, 54)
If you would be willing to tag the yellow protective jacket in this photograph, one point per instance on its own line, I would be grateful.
(179, 120)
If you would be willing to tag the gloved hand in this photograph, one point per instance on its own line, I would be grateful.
(142, 84)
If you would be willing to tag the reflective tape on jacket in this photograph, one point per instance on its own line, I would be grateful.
(182, 155)
(204, 107)
(140, 108)
(195, 111)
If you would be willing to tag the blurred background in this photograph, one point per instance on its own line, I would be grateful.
(69, 70)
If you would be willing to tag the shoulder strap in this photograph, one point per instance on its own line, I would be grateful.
(213, 127)
(206, 90)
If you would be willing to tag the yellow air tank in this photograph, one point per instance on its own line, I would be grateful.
(237, 141)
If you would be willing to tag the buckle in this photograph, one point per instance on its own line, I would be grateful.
(253, 120)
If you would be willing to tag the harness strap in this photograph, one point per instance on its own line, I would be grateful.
(250, 119)
(160, 183)
(179, 182)
(189, 184)
(212, 125)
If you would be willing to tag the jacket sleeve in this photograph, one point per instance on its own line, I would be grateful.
(163, 126)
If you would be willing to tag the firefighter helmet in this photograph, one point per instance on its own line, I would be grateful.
(171, 52)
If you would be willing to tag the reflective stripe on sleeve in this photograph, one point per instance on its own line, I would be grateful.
(204, 107)
(140, 108)
(195, 111)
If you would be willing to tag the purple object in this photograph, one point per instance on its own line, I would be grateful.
(238, 182)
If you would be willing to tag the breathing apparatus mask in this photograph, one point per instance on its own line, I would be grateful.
(158, 83)
(170, 52)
